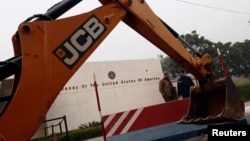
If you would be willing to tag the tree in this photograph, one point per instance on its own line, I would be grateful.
(200, 44)
(236, 56)
(239, 59)
(172, 66)
(163, 62)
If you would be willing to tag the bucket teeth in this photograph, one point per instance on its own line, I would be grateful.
(217, 101)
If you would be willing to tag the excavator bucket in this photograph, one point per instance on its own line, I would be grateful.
(217, 101)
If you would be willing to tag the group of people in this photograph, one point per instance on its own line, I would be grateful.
(168, 91)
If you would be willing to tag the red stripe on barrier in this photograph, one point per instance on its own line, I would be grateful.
(124, 123)
(109, 127)
(147, 117)
(161, 114)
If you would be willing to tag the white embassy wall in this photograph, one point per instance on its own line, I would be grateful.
(122, 85)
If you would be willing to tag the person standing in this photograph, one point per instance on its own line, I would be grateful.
(166, 88)
(183, 84)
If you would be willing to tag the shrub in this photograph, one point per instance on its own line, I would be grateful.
(89, 124)
(244, 91)
(75, 135)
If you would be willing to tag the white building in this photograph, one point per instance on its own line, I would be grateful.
(122, 85)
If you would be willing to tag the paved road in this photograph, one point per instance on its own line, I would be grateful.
(200, 138)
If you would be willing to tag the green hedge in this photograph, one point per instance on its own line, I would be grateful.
(75, 135)
(244, 91)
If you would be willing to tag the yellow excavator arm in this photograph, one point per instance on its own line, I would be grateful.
(48, 51)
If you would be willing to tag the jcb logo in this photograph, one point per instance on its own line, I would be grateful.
(70, 51)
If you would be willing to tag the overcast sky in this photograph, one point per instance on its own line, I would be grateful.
(216, 20)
